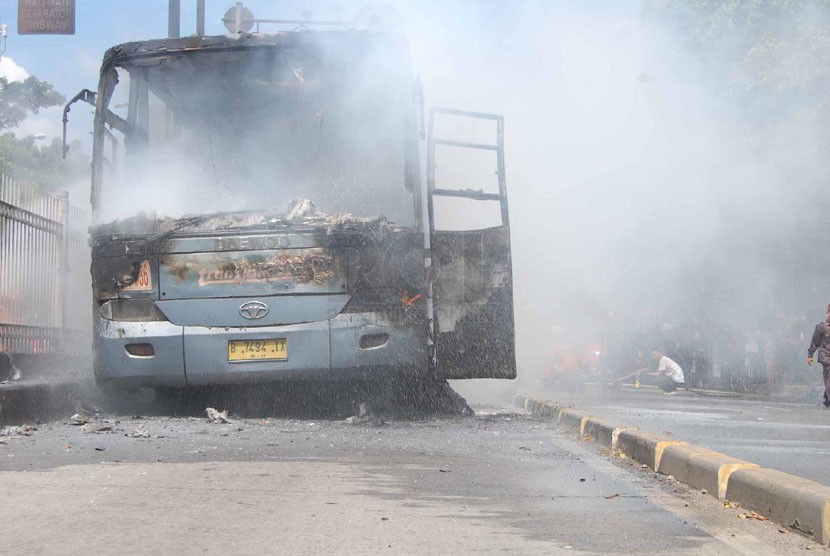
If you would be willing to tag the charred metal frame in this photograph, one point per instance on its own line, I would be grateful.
(85, 95)
(473, 194)
(121, 55)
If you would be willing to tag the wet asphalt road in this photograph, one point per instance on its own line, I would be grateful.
(499, 482)
(791, 437)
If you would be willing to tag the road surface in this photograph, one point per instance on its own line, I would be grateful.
(499, 482)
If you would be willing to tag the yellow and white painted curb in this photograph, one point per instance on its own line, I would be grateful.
(799, 504)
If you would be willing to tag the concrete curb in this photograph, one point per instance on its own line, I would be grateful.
(701, 468)
(797, 503)
(22, 402)
(800, 504)
(603, 432)
(645, 447)
(571, 419)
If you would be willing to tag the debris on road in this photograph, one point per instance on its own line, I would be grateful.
(98, 428)
(363, 415)
(612, 496)
(138, 433)
(218, 417)
(22, 430)
(78, 420)
(727, 505)
(752, 515)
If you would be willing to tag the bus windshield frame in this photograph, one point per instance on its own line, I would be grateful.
(325, 117)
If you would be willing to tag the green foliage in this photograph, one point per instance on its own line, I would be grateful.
(41, 167)
(18, 98)
(37, 165)
(766, 64)
(768, 60)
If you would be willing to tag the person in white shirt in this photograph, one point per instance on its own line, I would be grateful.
(669, 375)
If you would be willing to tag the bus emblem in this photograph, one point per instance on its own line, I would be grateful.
(253, 310)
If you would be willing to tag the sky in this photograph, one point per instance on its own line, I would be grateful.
(71, 62)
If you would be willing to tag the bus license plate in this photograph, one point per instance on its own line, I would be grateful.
(257, 350)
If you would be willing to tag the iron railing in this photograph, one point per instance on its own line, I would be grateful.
(44, 262)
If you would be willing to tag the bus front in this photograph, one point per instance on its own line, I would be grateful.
(257, 211)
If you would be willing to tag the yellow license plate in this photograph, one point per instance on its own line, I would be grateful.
(257, 350)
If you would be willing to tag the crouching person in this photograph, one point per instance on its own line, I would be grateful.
(669, 375)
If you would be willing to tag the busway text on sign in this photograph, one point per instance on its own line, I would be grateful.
(46, 17)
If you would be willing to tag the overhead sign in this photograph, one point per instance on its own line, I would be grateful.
(46, 17)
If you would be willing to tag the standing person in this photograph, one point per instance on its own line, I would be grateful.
(669, 374)
(821, 343)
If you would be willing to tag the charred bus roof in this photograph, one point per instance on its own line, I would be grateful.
(130, 51)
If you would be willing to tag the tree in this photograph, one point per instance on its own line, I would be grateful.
(768, 60)
(41, 167)
(18, 98)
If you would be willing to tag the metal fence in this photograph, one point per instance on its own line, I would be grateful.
(44, 267)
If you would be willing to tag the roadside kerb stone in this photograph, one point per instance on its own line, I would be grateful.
(795, 502)
(604, 432)
(572, 419)
(701, 468)
(645, 447)
(800, 504)
(549, 411)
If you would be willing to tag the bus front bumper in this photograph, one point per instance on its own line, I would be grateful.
(357, 345)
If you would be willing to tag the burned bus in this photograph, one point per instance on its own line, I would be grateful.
(262, 214)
